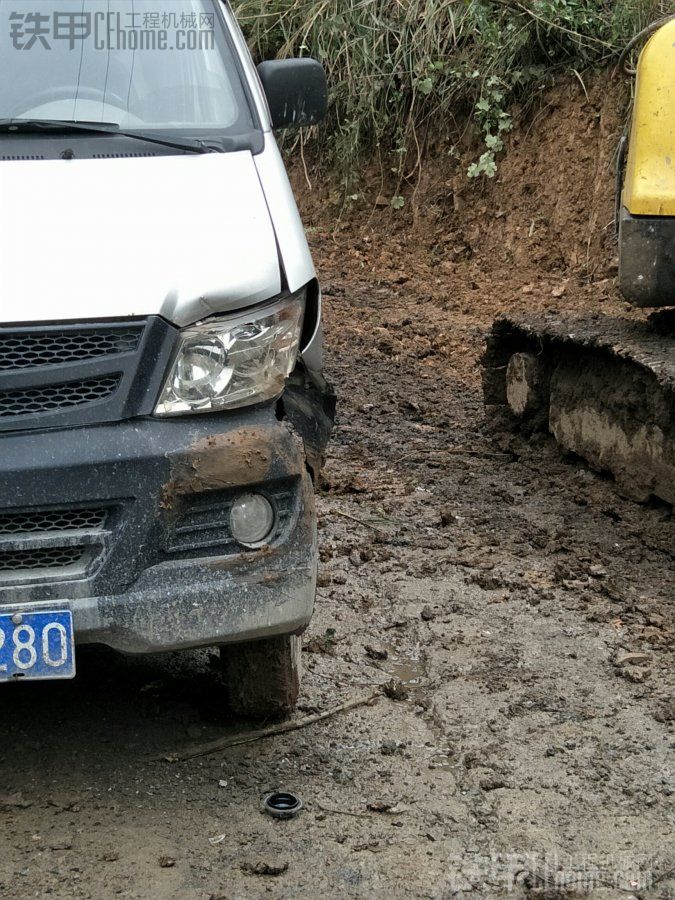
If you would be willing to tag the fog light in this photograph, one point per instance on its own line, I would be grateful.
(251, 519)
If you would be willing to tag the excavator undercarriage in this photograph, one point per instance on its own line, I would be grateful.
(603, 387)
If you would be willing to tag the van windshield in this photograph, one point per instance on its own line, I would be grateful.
(155, 65)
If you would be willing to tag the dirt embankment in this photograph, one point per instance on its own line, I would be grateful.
(540, 236)
(524, 610)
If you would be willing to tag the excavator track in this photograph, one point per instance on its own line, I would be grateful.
(603, 387)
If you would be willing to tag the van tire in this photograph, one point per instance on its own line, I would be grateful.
(263, 677)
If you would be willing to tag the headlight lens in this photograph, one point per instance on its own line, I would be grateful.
(235, 361)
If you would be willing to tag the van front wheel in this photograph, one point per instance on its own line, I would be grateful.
(263, 677)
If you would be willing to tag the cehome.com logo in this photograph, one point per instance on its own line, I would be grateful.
(113, 30)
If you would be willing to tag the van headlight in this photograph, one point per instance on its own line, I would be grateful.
(234, 361)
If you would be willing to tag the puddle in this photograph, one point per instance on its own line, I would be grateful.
(409, 669)
(442, 761)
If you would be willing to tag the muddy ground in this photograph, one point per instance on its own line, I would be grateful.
(522, 608)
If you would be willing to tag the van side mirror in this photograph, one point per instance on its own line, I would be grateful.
(296, 90)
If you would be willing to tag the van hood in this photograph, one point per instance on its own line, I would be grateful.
(178, 236)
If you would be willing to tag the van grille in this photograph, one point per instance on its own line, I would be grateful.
(52, 520)
(85, 373)
(43, 558)
(55, 397)
(15, 157)
(122, 155)
(50, 348)
(54, 543)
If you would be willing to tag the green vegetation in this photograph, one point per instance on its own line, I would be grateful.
(403, 73)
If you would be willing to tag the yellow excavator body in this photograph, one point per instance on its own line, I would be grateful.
(649, 187)
(647, 212)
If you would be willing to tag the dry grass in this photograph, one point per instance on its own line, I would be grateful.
(403, 71)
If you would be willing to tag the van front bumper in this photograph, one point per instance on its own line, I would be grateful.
(127, 525)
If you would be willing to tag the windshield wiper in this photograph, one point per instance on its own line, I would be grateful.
(10, 126)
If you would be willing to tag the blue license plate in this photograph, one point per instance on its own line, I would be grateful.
(36, 646)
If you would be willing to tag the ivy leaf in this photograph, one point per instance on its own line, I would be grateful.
(488, 164)
(426, 86)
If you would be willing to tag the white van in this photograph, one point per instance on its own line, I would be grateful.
(162, 409)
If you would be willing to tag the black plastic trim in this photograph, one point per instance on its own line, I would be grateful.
(647, 259)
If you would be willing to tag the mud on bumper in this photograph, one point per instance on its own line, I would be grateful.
(127, 525)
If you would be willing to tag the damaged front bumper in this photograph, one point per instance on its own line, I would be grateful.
(127, 525)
